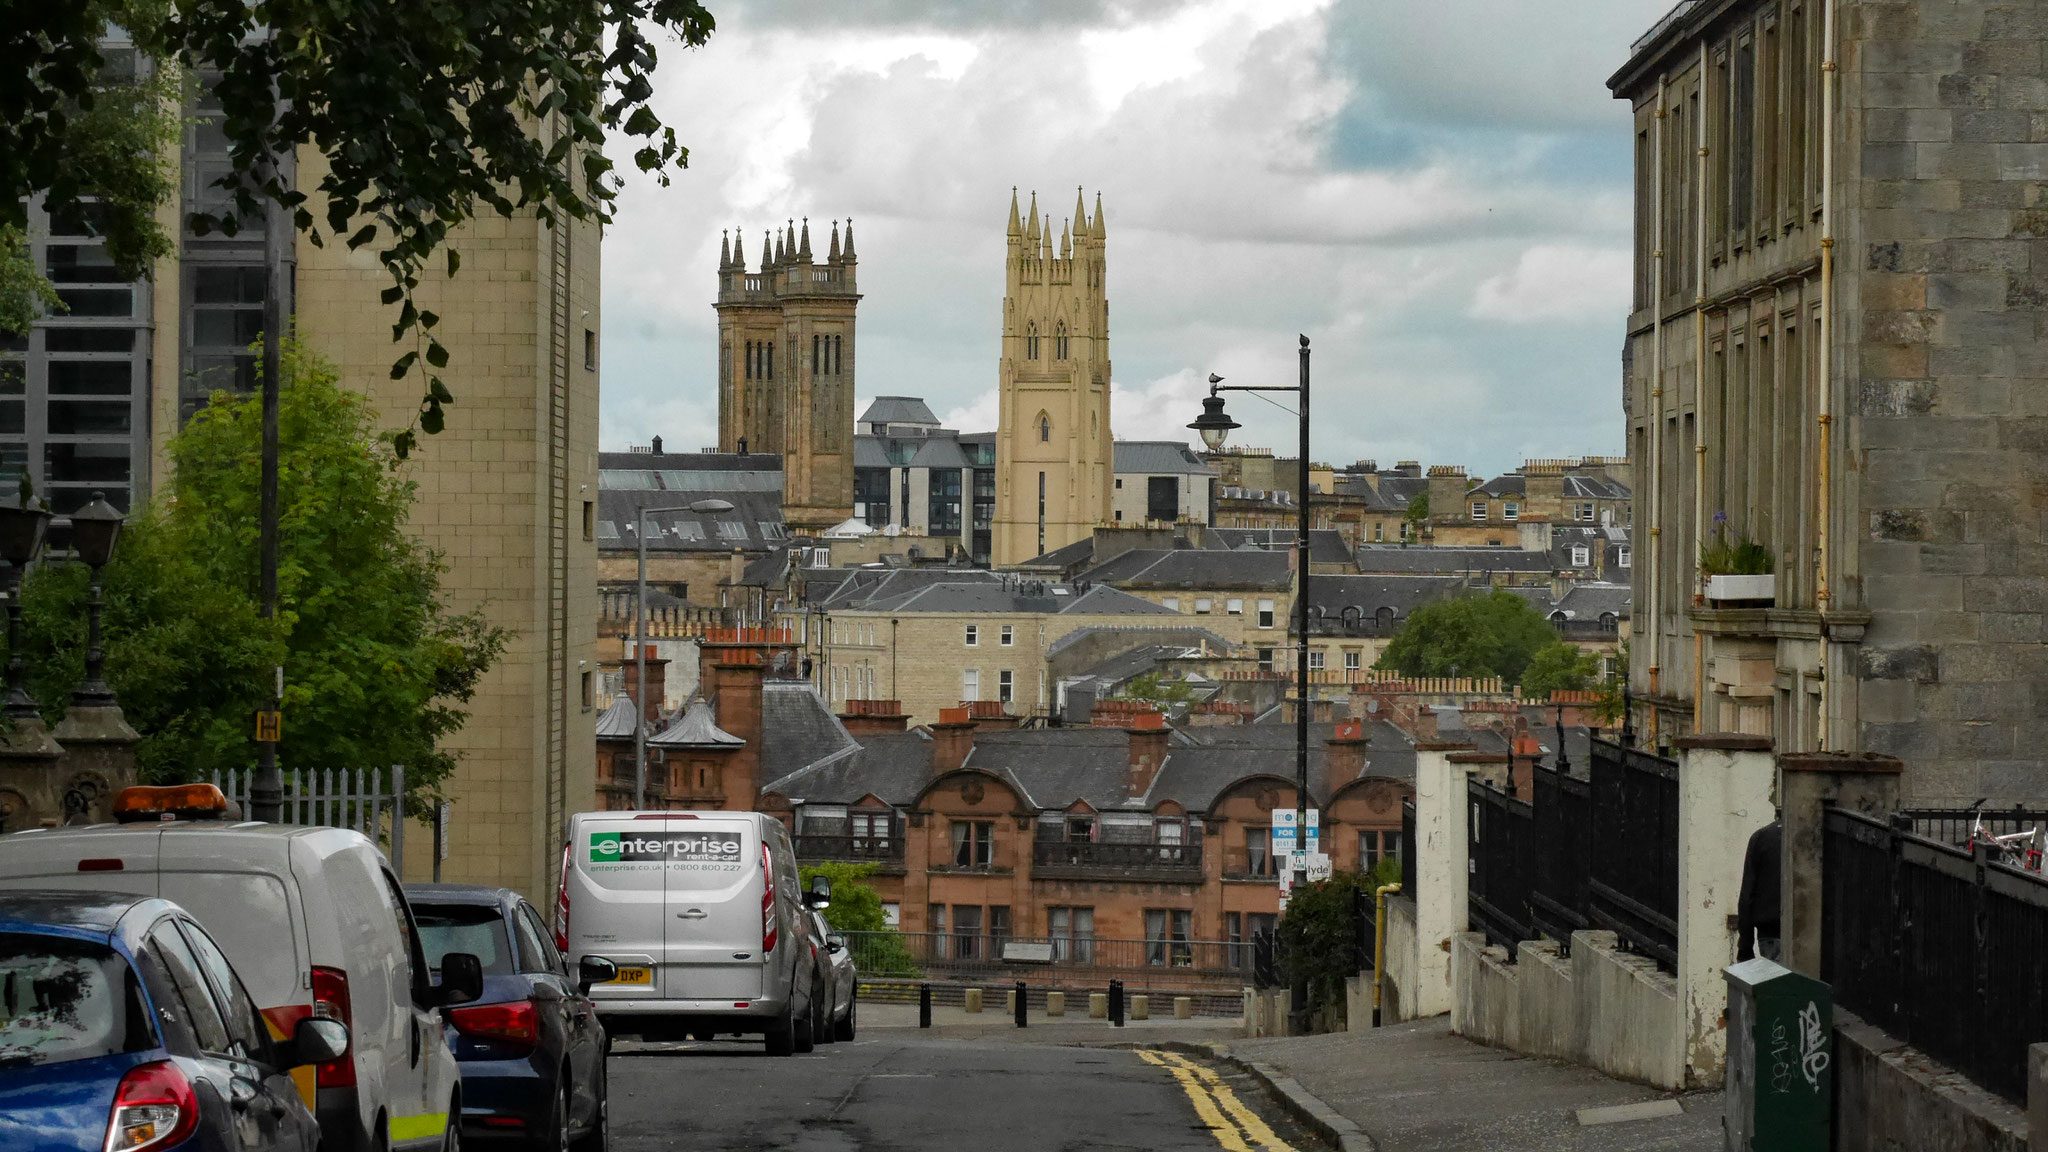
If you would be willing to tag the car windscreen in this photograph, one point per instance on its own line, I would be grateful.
(472, 928)
(63, 999)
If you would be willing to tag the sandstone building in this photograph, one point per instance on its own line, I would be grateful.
(1834, 352)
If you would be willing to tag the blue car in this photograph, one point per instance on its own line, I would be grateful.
(124, 1029)
(531, 1049)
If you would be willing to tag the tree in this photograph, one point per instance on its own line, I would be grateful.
(1324, 939)
(1494, 634)
(1559, 667)
(857, 907)
(376, 668)
(1612, 694)
(421, 114)
(1418, 509)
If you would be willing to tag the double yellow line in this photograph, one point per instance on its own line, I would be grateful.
(1236, 1127)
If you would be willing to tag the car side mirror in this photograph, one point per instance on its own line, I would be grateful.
(462, 980)
(820, 895)
(313, 1041)
(594, 970)
(834, 947)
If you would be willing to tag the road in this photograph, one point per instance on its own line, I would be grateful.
(905, 1091)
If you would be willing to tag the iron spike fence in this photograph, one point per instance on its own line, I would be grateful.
(1410, 848)
(366, 800)
(1559, 888)
(1501, 832)
(1939, 947)
(1957, 825)
(1633, 889)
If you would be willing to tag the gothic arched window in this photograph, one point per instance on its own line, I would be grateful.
(1059, 342)
(1044, 428)
(1031, 341)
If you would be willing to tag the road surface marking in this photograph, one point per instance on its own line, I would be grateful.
(1236, 1127)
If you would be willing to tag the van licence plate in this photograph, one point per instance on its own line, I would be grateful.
(635, 976)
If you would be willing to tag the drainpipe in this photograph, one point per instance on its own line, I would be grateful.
(1699, 397)
(1657, 395)
(1379, 944)
(1826, 382)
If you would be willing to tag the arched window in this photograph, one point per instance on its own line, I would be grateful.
(1059, 341)
(1557, 617)
(1031, 341)
(1384, 618)
(1044, 428)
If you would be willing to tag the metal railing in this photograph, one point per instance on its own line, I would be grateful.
(1410, 848)
(1112, 857)
(1954, 825)
(1074, 959)
(1937, 946)
(810, 846)
(1501, 834)
(1634, 878)
(365, 800)
(1563, 865)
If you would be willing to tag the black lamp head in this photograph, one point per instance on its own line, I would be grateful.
(22, 524)
(94, 529)
(1213, 424)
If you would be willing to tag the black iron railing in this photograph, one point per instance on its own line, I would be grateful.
(1111, 857)
(1956, 825)
(1563, 857)
(1501, 831)
(1634, 882)
(1939, 947)
(884, 848)
(1410, 848)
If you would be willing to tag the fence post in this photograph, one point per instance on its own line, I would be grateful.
(1441, 871)
(1116, 1003)
(1724, 796)
(1021, 996)
(1863, 782)
(398, 819)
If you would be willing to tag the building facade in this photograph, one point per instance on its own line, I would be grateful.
(911, 476)
(1832, 355)
(1053, 443)
(1160, 482)
(786, 366)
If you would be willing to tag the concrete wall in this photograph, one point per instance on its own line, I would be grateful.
(1551, 1022)
(1486, 992)
(1440, 874)
(1397, 992)
(1631, 1014)
(1724, 792)
(1889, 1096)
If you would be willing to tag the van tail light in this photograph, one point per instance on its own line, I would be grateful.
(768, 932)
(330, 1002)
(154, 1107)
(562, 904)
(514, 1024)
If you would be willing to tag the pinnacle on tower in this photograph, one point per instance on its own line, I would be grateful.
(1016, 225)
(724, 251)
(1045, 239)
(739, 251)
(1080, 213)
(767, 253)
(849, 239)
(1098, 225)
(1032, 235)
(781, 249)
(803, 250)
(1066, 241)
(833, 256)
(790, 232)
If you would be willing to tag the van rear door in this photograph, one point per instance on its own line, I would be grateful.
(712, 933)
(615, 888)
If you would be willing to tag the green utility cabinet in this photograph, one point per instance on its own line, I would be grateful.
(1781, 1055)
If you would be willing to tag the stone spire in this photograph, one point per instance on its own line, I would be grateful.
(767, 253)
(739, 251)
(1016, 225)
(1032, 235)
(1099, 228)
(724, 251)
(1045, 239)
(849, 240)
(781, 249)
(790, 233)
(833, 256)
(1080, 213)
(803, 247)
(1066, 241)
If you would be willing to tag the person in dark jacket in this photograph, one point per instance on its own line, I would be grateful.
(1756, 909)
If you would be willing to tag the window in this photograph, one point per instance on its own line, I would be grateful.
(967, 931)
(1315, 659)
(998, 929)
(892, 913)
(1265, 659)
(871, 831)
(1351, 661)
(209, 1029)
(1479, 509)
(1584, 511)
(1622, 556)
(1009, 636)
(1166, 936)
(1510, 510)
(1031, 341)
(1202, 605)
(589, 690)
(1379, 530)
(935, 924)
(1073, 933)
(1044, 437)
(1170, 602)
(1059, 341)
(973, 843)
(589, 350)
(973, 636)
(1265, 613)
(1581, 556)
(1006, 685)
(1162, 498)
(970, 684)
(1258, 851)
(1234, 606)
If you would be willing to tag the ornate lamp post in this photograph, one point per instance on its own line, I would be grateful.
(22, 526)
(94, 530)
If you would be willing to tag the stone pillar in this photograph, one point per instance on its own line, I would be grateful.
(98, 760)
(1441, 879)
(1865, 782)
(31, 784)
(1724, 795)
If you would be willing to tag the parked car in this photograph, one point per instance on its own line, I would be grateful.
(531, 1048)
(318, 927)
(123, 1028)
(702, 914)
(844, 982)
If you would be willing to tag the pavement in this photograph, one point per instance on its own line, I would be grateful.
(1415, 1087)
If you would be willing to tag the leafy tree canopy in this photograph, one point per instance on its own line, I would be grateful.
(1418, 508)
(422, 114)
(1559, 667)
(1495, 634)
(376, 669)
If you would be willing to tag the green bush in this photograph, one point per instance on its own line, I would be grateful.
(1323, 935)
(857, 908)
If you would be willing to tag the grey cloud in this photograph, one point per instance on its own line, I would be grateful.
(947, 15)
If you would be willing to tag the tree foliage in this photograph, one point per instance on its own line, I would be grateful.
(857, 907)
(377, 670)
(1559, 667)
(422, 114)
(1323, 937)
(1495, 634)
(1418, 508)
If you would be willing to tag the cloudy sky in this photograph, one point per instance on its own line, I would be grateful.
(1435, 191)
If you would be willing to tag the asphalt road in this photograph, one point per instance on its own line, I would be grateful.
(905, 1091)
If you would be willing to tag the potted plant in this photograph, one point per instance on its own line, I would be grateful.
(1737, 568)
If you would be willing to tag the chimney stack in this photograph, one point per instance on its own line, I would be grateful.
(1150, 738)
(657, 445)
(872, 717)
(1343, 757)
(657, 684)
(952, 739)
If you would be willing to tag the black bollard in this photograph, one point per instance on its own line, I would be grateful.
(924, 1005)
(1020, 1004)
(1116, 1003)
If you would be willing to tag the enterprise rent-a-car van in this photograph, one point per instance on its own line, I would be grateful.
(703, 915)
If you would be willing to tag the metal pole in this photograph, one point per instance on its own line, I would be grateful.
(1021, 996)
(1303, 697)
(924, 1005)
(1379, 944)
(266, 798)
(640, 661)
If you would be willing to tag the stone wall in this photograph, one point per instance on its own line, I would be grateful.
(1889, 1096)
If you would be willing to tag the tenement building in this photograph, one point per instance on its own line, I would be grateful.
(785, 366)
(1834, 380)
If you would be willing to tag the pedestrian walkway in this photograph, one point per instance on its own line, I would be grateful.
(1415, 1087)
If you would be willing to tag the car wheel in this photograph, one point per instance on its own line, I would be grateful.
(806, 1032)
(781, 1035)
(821, 1020)
(843, 1030)
(600, 1120)
(451, 1139)
(554, 1137)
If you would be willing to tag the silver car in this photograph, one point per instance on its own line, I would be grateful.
(842, 982)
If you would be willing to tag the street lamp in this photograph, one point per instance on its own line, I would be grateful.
(640, 515)
(94, 529)
(22, 525)
(1215, 427)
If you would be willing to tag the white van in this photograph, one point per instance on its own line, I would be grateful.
(702, 913)
(316, 924)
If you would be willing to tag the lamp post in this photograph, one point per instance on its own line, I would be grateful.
(640, 515)
(21, 537)
(94, 530)
(1215, 427)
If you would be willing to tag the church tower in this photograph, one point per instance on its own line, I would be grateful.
(785, 366)
(1053, 445)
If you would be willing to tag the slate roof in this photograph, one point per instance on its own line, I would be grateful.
(898, 410)
(893, 766)
(1331, 595)
(1071, 558)
(871, 452)
(1053, 767)
(1157, 457)
(1375, 558)
(1195, 568)
(1194, 776)
(1594, 488)
(1507, 484)
(836, 588)
(695, 728)
(1325, 545)
(798, 727)
(616, 722)
(1011, 596)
